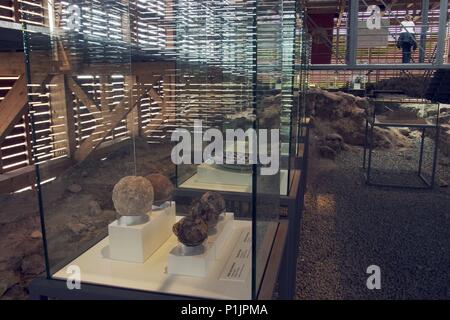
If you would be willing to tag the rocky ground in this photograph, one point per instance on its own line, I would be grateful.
(348, 226)
(341, 116)
(78, 208)
(21, 246)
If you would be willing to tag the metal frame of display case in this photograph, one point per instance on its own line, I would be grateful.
(372, 122)
(43, 288)
(293, 207)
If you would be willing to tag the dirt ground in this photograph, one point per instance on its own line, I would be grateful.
(77, 210)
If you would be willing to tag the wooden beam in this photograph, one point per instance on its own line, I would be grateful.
(84, 98)
(63, 113)
(147, 73)
(12, 107)
(65, 64)
(133, 122)
(341, 13)
(155, 96)
(45, 12)
(103, 93)
(169, 97)
(100, 133)
(16, 7)
(154, 124)
(12, 64)
(141, 69)
(26, 176)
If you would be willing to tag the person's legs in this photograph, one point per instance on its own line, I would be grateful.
(406, 56)
(406, 53)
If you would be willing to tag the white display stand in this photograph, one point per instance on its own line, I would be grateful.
(152, 275)
(224, 229)
(136, 243)
(197, 262)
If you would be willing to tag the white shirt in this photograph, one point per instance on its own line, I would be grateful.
(407, 26)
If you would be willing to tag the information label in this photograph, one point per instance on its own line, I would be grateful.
(238, 266)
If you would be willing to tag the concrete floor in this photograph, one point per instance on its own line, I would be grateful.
(348, 226)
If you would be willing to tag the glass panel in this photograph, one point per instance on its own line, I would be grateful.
(303, 63)
(215, 74)
(268, 89)
(288, 111)
(78, 108)
(215, 71)
(191, 75)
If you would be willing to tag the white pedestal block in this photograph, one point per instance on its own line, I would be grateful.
(137, 243)
(198, 263)
(195, 265)
(223, 232)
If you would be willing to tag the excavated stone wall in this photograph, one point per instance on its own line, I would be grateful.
(344, 114)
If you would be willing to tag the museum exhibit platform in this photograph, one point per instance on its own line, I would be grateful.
(110, 279)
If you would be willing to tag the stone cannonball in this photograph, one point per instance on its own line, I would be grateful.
(133, 196)
(214, 199)
(191, 231)
(162, 187)
(206, 212)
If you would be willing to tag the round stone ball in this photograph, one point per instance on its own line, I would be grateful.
(133, 196)
(191, 231)
(162, 187)
(206, 212)
(215, 200)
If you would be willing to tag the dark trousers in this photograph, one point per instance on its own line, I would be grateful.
(406, 52)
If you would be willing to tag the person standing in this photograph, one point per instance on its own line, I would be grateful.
(407, 39)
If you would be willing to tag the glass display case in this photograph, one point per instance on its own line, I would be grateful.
(225, 89)
(391, 117)
(133, 93)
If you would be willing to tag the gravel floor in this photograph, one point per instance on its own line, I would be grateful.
(348, 226)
